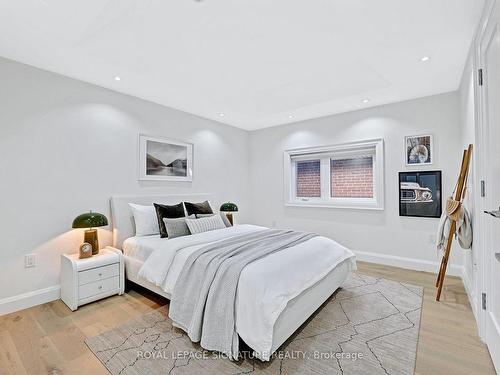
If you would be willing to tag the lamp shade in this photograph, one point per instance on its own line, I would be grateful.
(90, 220)
(229, 207)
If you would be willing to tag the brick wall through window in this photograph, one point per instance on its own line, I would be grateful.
(352, 178)
(308, 179)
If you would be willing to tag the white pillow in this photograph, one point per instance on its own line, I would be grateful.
(146, 221)
(223, 216)
(205, 224)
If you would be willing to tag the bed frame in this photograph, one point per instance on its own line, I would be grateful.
(295, 314)
(123, 225)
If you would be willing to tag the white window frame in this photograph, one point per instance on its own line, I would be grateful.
(375, 147)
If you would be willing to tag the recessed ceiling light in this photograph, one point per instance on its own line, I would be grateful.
(221, 114)
(290, 116)
(366, 100)
(117, 78)
(425, 58)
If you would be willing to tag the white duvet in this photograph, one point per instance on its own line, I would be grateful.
(265, 286)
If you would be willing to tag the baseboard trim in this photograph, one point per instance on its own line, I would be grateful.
(408, 263)
(38, 297)
(470, 292)
(30, 299)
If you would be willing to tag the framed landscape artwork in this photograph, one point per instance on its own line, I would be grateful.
(163, 159)
(420, 194)
(419, 150)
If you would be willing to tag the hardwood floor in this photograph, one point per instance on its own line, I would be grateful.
(49, 339)
(448, 341)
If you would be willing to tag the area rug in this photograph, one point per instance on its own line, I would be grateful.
(369, 326)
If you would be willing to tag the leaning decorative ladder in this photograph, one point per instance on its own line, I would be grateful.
(459, 196)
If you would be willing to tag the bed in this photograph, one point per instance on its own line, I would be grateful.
(313, 285)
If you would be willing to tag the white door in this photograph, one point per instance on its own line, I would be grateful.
(490, 93)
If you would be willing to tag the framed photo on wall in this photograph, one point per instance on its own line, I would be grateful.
(419, 150)
(163, 159)
(420, 194)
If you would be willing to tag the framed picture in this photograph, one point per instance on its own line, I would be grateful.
(419, 150)
(163, 159)
(420, 194)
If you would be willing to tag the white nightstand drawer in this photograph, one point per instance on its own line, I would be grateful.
(98, 274)
(91, 279)
(98, 287)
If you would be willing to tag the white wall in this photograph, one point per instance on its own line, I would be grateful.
(381, 236)
(67, 147)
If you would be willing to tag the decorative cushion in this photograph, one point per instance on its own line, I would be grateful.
(198, 208)
(205, 224)
(223, 216)
(146, 223)
(170, 212)
(176, 227)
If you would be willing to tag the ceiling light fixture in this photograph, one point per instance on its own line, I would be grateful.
(117, 78)
(366, 100)
(425, 58)
(221, 114)
(290, 116)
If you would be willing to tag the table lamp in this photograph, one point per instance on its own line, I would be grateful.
(229, 208)
(91, 220)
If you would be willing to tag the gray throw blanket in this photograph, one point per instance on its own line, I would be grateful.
(203, 300)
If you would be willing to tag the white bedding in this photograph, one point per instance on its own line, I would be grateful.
(141, 247)
(264, 287)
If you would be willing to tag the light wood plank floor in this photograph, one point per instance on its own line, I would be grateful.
(48, 339)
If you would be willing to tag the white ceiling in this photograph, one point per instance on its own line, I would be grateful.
(260, 63)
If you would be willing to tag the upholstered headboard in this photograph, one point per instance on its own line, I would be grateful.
(121, 214)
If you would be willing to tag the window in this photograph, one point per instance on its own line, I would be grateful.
(348, 175)
(352, 178)
(308, 178)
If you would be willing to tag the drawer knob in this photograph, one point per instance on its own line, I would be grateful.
(100, 286)
(100, 274)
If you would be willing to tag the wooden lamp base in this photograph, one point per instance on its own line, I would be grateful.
(91, 238)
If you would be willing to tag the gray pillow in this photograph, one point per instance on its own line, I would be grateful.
(223, 216)
(176, 227)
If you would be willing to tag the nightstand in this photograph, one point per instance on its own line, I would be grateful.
(91, 279)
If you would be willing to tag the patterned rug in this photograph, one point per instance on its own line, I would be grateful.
(368, 327)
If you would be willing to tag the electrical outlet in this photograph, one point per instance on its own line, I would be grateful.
(30, 261)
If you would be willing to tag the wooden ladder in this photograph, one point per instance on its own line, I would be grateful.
(459, 195)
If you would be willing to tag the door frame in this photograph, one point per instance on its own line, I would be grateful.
(480, 174)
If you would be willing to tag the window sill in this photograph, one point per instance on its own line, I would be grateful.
(372, 206)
